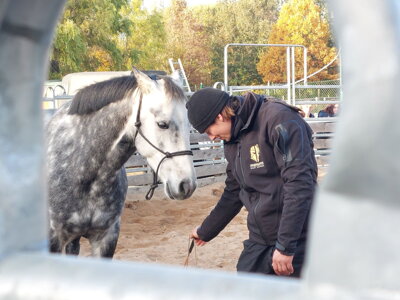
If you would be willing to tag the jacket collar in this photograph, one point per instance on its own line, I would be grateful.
(245, 114)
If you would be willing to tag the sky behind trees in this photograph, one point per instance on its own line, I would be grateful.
(160, 4)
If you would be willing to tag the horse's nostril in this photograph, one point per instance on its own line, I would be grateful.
(185, 187)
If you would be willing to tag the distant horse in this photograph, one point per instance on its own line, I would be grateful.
(88, 141)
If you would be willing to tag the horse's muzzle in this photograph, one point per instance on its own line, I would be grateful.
(182, 191)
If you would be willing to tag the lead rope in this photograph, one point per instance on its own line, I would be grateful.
(191, 245)
(150, 193)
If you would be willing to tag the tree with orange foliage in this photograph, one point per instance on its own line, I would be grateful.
(300, 22)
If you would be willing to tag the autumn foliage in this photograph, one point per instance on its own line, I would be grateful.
(300, 22)
(115, 35)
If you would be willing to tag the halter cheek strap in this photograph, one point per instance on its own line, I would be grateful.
(138, 124)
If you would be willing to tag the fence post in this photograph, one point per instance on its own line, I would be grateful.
(24, 42)
(353, 253)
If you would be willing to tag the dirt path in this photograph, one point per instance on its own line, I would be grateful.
(157, 231)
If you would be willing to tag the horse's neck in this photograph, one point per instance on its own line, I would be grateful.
(119, 154)
(102, 131)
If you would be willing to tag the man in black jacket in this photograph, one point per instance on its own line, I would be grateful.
(271, 171)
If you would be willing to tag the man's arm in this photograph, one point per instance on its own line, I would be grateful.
(226, 209)
(295, 157)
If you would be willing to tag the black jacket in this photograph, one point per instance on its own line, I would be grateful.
(271, 171)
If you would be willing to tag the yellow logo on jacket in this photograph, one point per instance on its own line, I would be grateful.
(255, 156)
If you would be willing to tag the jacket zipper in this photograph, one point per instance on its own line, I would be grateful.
(240, 165)
(258, 200)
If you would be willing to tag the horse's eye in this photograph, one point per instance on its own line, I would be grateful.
(163, 125)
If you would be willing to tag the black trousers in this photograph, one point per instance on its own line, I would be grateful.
(257, 258)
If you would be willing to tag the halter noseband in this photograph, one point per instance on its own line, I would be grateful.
(150, 193)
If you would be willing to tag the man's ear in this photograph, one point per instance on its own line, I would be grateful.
(220, 118)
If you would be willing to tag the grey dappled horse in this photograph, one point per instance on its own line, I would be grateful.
(90, 138)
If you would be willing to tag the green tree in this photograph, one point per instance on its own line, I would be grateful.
(198, 36)
(243, 21)
(69, 50)
(143, 45)
(187, 39)
(300, 22)
(87, 36)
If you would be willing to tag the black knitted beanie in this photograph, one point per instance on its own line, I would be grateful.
(204, 106)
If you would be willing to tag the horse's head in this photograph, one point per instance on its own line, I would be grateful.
(164, 123)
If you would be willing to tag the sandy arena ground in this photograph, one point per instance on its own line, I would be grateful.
(157, 231)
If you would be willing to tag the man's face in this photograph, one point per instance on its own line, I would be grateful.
(220, 129)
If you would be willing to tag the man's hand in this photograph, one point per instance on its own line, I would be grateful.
(196, 238)
(282, 264)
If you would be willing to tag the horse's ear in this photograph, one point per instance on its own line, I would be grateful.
(145, 83)
(176, 76)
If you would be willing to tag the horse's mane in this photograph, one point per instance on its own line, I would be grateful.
(95, 96)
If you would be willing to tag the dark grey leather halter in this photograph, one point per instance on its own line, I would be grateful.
(150, 193)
